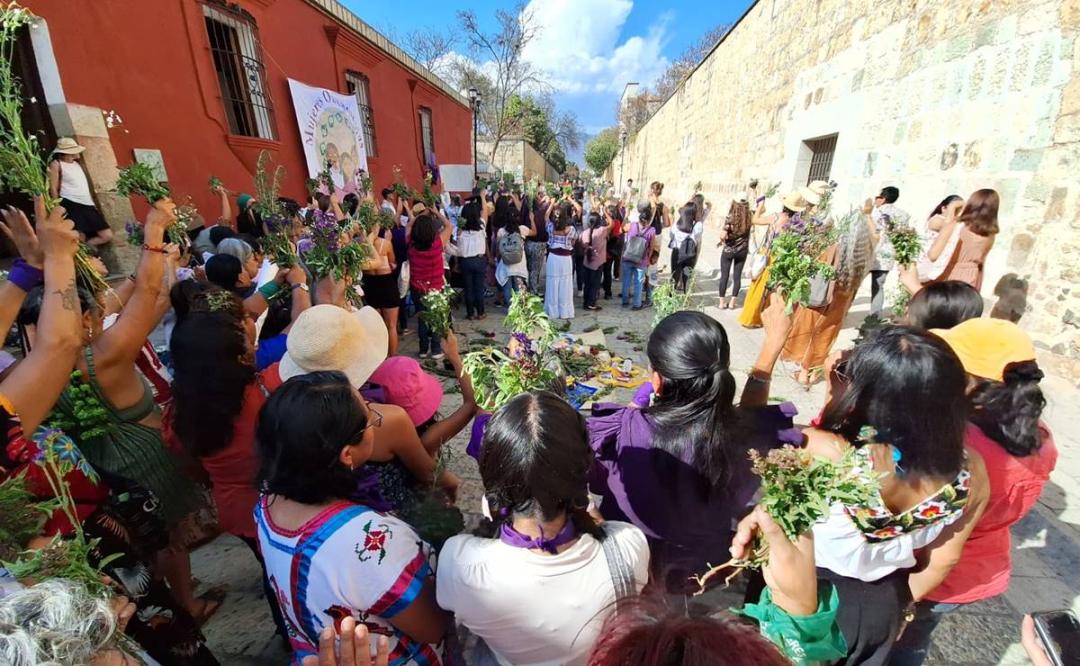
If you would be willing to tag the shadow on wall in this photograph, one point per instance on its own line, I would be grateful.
(1011, 291)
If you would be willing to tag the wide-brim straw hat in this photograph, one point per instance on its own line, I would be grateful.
(795, 201)
(821, 187)
(67, 146)
(813, 198)
(326, 337)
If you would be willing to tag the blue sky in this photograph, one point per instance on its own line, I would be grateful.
(588, 49)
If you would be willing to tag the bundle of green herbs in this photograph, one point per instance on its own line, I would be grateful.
(22, 165)
(797, 489)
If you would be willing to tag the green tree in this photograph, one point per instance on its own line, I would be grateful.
(601, 150)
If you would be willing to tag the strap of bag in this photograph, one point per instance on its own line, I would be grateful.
(622, 577)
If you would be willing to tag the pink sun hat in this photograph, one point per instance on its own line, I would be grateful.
(406, 385)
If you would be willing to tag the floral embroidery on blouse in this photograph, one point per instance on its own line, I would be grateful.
(374, 542)
(877, 523)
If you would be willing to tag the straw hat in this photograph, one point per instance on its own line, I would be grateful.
(740, 198)
(813, 198)
(67, 146)
(326, 337)
(795, 201)
(820, 186)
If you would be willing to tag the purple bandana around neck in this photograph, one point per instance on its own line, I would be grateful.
(511, 537)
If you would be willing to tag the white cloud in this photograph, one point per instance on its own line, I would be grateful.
(577, 45)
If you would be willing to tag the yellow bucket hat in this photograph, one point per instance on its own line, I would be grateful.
(987, 346)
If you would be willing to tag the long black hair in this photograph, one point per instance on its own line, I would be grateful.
(564, 216)
(535, 462)
(1009, 411)
(425, 230)
(943, 305)
(695, 407)
(687, 218)
(470, 213)
(302, 429)
(909, 386)
(209, 379)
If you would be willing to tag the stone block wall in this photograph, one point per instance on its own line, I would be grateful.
(936, 97)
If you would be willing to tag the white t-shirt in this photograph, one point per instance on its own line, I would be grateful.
(531, 608)
(472, 243)
(677, 237)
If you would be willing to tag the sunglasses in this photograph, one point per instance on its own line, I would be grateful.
(375, 419)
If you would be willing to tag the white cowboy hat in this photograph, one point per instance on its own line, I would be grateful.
(326, 337)
(67, 146)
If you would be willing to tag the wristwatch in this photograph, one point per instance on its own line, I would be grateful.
(299, 285)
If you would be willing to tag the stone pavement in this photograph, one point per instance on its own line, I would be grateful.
(1046, 555)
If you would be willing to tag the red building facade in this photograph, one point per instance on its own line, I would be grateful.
(205, 83)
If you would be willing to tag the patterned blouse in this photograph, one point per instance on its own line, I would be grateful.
(877, 523)
(348, 561)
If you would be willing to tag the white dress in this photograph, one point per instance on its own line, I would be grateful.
(559, 287)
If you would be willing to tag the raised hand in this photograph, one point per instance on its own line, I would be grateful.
(56, 234)
(790, 572)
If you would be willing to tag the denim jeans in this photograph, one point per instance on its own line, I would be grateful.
(428, 340)
(633, 277)
(914, 643)
(473, 270)
(513, 283)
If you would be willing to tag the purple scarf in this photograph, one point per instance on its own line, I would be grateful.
(511, 537)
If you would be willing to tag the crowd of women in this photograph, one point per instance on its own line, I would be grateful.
(317, 445)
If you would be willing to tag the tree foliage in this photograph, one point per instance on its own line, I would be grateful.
(508, 73)
(552, 132)
(601, 150)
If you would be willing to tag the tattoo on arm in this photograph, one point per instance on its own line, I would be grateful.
(69, 297)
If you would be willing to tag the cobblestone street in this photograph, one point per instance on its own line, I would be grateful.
(1046, 556)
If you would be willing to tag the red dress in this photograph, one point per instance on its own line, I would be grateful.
(233, 468)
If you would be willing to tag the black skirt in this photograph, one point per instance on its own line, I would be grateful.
(381, 291)
(870, 614)
(88, 221)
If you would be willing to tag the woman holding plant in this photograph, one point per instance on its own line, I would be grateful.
(793, 203)
(132, 445)
(816, 329)
(380, 276)
(685, 453)
(562, 236)
(902, 407)
(428, 235)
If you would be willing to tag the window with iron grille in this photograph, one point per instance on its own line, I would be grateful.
(357, 84)
(427, 135)
(821, 157)
(234, 45)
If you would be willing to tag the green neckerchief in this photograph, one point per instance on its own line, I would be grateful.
(804, 639)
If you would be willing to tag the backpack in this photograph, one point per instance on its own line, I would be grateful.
(688, 248)
(636, 245)
(512, 248)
